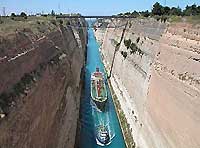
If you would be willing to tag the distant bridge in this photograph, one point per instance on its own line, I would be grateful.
(94, 16)
(97, 17)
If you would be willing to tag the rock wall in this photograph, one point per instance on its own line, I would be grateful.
(40, 89)
(158, 86)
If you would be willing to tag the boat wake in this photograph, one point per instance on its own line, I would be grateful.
(103, 135)
(94, 106)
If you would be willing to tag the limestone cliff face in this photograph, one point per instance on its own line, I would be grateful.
(40, 89)
(158, 86)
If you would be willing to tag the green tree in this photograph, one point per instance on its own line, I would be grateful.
(175, 11)
(157, 9)
(53, 13)
(194, 9)
(127, 43)
(127, 13)
(13, 15)
(23, 14)
(124, 54)
(145, 13)
(191, 10)
(166, 10)
(120, 14)
(198, 10)
(135, 14)
(134, 48)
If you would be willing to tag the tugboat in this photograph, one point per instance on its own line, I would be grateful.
(98, 90)
(102, 135)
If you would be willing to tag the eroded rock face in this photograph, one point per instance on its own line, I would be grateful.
(158, 86)
(46, 73)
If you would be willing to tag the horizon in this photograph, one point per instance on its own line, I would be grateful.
(87, 8)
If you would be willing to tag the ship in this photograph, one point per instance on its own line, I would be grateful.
(102, 135)
(98, 90)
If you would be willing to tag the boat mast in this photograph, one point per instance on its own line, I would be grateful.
(117, 48)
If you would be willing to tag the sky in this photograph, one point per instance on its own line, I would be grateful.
(86, 7)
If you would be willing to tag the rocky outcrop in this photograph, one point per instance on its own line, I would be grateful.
(40, 88)
(156, 80)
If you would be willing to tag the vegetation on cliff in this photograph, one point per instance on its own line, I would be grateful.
(21, 88)
(164, 12)
(160, 10)
(38, 24)
(133, 47)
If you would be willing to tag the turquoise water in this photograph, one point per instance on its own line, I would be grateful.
(90, 116)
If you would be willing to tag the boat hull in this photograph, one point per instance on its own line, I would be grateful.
(98, 90)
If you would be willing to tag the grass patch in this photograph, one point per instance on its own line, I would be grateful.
(193, 19)
(38, 25)
(175, 19)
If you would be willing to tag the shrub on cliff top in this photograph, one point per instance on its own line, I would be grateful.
(23, 14)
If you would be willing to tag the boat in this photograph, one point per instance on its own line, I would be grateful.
(102, 135)
(98, 90)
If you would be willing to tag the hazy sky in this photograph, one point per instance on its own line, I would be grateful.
(86, 7)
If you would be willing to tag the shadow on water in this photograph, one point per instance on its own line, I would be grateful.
(90, 116)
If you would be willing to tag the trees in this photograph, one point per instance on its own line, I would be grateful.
(127, 13)
(176, 11)
(157, 9)
(166, 10)
(13, 15)
(134, 48)
(191, 10)
(194, 9)
(127, 43)
(53, 13)
(135, 14)
(124, 54)
(145, 13)
(23, 14)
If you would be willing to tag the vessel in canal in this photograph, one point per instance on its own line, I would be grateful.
(98, 90)
(102, 135)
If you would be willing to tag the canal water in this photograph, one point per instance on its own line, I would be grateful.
(89, 115)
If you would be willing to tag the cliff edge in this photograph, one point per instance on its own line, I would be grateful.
(41, 61)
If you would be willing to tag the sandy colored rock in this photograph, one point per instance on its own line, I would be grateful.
(159, 91)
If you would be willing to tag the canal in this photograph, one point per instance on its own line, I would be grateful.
(89, 116)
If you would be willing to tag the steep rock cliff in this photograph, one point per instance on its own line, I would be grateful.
(157, 80)
(40, 87)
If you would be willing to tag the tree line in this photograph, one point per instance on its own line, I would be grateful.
(159, 10)
(24, 15)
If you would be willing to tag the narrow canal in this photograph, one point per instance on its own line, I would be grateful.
(90, 117)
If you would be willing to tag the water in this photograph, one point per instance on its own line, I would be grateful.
(90, 117)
